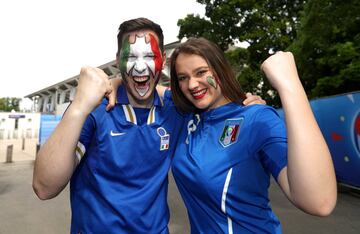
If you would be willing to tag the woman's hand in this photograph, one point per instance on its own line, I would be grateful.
(115, 83)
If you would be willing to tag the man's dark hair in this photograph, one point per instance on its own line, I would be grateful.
(139, 24)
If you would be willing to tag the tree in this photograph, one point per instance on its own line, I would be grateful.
(266, 25)
(9, 103)
(327, 49)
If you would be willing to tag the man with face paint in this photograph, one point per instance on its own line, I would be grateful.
(140, 59)
(117, 161)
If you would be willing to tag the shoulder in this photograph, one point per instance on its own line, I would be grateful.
(167, 95)
(260, 114)
(167, 98)
(100, 110)
(259, 109)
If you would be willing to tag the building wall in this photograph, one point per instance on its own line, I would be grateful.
(26, 126)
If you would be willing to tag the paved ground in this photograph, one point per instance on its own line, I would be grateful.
(19, 154)
(22, 212)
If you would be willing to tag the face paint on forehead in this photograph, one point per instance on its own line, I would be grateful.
(140, 55)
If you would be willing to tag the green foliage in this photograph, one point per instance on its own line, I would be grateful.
(324, 36)
(237, 58)
(8, 104)
(327, 49)
(266, 25)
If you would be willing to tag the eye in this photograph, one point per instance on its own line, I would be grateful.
(181, 78)
(149, 56)
(201, 72)
(131, 57)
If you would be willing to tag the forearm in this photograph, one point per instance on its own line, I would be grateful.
(310, 172)
(56, 161)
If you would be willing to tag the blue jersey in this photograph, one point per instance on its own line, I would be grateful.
(222, 167)
(120, 185)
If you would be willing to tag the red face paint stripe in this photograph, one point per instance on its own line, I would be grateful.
(156, 50)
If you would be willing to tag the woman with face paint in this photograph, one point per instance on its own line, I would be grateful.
(227, 153)
(117, 161)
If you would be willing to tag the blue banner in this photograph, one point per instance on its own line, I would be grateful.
(47, 125)
(339, 120)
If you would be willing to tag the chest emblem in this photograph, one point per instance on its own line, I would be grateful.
(230, 132)
(164, 138)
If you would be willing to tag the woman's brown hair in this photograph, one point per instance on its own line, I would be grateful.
(217, 62)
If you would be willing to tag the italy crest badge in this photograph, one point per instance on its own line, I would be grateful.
(164, 138)
(230, 131)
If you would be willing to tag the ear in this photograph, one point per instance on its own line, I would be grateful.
(164, 60)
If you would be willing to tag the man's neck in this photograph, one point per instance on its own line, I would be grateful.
(148, 103)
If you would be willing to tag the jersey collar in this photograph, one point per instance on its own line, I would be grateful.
(122, 97)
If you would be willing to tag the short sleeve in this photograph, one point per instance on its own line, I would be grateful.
(270, 140)
(86, 135)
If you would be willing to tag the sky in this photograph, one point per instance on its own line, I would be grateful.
(43, 42)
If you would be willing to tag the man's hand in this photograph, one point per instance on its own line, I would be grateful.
(93, 85)
(253, 99)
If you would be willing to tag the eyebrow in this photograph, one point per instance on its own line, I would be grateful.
(196, 70)
(203, 67)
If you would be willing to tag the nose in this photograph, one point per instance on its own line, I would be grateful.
(193, 83)
(140, 66)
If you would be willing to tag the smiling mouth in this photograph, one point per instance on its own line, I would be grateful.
(199, 94)
(141, 79)
(142, 84)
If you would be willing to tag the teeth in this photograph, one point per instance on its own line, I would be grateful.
(141, 78)
(199, 93)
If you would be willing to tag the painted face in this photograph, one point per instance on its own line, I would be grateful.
(197, 82)
(141, 63)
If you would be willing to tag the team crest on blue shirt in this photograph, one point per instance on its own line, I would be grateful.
(230, 132)
(164, 138)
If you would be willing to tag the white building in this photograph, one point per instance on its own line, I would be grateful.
(19, 125)
(55, 99)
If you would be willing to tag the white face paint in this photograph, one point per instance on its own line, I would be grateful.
(140, 64)
(141, 58)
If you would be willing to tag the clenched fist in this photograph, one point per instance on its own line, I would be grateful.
(93, 85)
(280, 70)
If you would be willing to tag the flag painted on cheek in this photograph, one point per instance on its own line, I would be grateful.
(211, 80)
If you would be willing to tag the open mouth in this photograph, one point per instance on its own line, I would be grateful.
(199, 94)
(142, 84)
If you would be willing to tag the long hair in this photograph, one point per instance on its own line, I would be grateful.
(139, 24)
(215, 58)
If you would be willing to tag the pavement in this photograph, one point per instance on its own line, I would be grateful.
(22, 212)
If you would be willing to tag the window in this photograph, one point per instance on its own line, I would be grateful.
(67, 96)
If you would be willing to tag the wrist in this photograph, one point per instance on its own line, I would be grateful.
(76, 109)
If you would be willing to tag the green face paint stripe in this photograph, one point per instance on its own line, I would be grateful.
(211, 81)
(124, 54)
